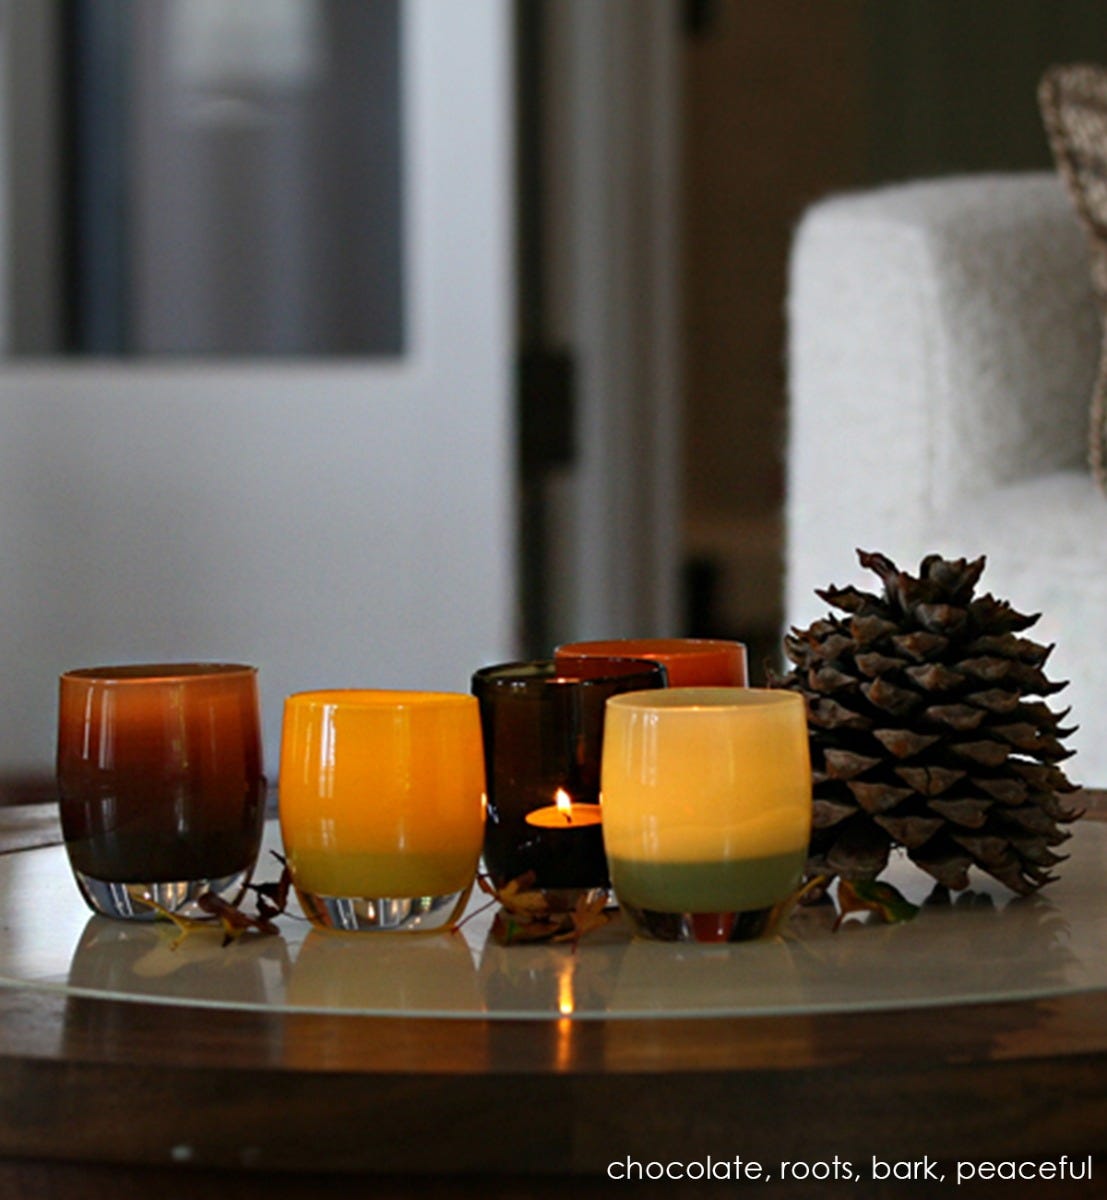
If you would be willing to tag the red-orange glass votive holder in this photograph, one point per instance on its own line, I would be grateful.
(689, 662)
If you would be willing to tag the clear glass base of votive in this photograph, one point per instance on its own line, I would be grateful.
(698, 927)
(125, 901)
(384, 914)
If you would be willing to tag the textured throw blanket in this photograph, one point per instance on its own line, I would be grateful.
(1073, 100)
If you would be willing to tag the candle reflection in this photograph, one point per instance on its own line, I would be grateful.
(565, 1006)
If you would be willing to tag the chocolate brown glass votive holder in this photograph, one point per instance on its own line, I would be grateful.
(543, 733)
(160, 783)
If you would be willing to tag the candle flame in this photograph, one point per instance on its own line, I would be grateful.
(564, 804)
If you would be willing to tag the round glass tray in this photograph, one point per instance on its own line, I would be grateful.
(985, 946)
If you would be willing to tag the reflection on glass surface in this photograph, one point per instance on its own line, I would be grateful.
(984, 946)
(205, 177)
(552, 979)
(128, 958)
(401, 974)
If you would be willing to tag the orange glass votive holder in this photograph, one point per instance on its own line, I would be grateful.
(160, 783)
(689, 662)
(382, 806)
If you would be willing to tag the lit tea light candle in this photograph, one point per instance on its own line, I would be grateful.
(567, 841)
(543, 735)
(565, 813)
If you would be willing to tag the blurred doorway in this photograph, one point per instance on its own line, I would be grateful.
(599, 182)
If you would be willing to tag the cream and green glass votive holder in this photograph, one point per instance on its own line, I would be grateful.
(707, 806)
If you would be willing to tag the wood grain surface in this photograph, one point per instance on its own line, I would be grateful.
(102, 1098)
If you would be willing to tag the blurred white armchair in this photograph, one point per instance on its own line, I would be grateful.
(943, 345)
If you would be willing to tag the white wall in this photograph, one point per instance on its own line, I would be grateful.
(338, 525)
(327, 538)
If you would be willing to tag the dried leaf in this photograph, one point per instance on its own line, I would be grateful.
(588, 914)
(519, 897)
(185, 924)
(234, 921)
(526, 914)
(507, 929)
(272, 898)
(862, 895)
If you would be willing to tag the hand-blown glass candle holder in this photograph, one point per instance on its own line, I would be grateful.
(707, 808)
(382, 806)
(688, 662)
(543, 731)
(160, 783)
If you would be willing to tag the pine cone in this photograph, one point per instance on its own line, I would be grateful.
(928, 730)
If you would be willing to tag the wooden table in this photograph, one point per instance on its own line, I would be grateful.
(103, 1098)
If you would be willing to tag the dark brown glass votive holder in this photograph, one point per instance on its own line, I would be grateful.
(543, 734)
(160, 783)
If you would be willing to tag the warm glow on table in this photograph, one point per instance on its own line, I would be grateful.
(706, 797)
(381, 793)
